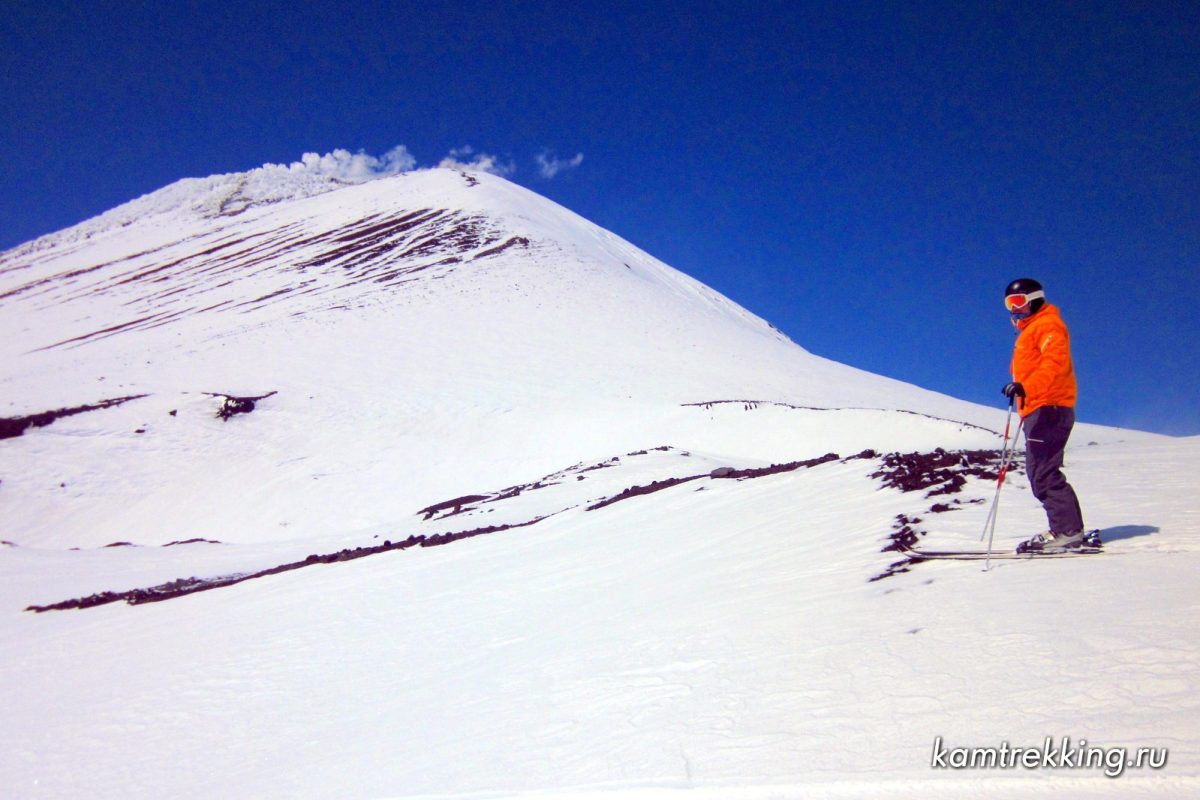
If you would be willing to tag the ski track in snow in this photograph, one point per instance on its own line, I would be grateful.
(439, 353)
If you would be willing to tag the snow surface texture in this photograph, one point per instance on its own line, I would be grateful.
(650, 612)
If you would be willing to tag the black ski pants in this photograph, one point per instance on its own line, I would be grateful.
(1046, 432)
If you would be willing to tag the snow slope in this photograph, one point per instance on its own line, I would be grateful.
(446, 353)
(407, 321)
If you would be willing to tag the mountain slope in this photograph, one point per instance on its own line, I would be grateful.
(521, 511)
(425, 331)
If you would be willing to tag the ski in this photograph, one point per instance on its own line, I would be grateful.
(917, 554)
(1091, 544)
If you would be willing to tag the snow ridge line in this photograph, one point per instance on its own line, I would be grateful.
(471, 502)
(751, 405)
(726, 473)
(940, 472)
(650, 488)
(185, 586)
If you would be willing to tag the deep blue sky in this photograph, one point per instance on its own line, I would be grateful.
(866, 176)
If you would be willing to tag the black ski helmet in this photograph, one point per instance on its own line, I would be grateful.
(1026, 286)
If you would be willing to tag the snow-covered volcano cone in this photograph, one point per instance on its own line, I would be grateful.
(419, 333)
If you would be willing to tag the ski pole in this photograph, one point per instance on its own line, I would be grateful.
(1003, 468)
(989, 527)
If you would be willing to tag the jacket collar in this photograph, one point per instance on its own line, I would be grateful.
(1046, 310)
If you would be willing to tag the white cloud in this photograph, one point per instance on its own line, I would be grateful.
(480, 162)
(549, 166)
(352, 167)
(342, 165)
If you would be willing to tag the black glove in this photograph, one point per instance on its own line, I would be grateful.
(1012, 390)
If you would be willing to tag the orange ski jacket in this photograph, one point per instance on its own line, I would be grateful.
(1042, 361)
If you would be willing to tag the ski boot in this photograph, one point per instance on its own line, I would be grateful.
(1051, 542)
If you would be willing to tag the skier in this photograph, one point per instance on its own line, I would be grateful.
(1044, 382)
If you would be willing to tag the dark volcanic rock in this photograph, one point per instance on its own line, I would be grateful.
(11, 427)
(237, 405)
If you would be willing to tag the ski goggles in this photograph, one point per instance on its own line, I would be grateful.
(1014, 301)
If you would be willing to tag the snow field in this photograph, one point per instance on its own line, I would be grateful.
(715, 638)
